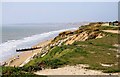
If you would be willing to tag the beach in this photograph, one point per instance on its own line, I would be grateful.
(23, 58)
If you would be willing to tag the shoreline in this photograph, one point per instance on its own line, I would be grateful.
(14, 60)
(21, 59)
(27, 40)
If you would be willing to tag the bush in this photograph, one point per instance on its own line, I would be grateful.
(32, 68)
(54, 63)
(13, 71)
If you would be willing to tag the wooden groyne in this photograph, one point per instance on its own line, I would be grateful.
(27, 49)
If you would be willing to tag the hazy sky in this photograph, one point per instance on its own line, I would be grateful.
(57, 12)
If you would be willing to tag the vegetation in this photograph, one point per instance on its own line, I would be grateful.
(108, 28)
(17, 72)
(12, 71)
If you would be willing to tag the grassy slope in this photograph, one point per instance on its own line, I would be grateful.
(92, 52)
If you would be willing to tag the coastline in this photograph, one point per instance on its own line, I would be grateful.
(14, 60)
(26, 42)
(24, 57)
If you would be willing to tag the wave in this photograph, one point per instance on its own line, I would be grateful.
(8, 49)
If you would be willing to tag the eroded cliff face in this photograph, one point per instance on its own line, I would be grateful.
(84, 33)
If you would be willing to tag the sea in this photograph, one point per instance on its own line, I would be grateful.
(18, 36)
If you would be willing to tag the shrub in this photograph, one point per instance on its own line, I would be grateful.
(13, 71)
(54, 63)
(32, 68)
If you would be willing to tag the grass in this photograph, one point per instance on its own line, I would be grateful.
(108, 28)
(99, 49)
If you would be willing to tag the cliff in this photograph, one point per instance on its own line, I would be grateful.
(86, 32)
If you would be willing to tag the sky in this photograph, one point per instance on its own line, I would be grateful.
(59, 0)
(58, 12)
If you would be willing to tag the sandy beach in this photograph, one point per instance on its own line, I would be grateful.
(23, 58)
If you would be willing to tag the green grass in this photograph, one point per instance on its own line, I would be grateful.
(108, 28)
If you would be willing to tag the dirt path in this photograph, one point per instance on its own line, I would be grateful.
(112, 31)
(71, 70)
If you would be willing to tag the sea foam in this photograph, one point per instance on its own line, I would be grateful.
(8, 49)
